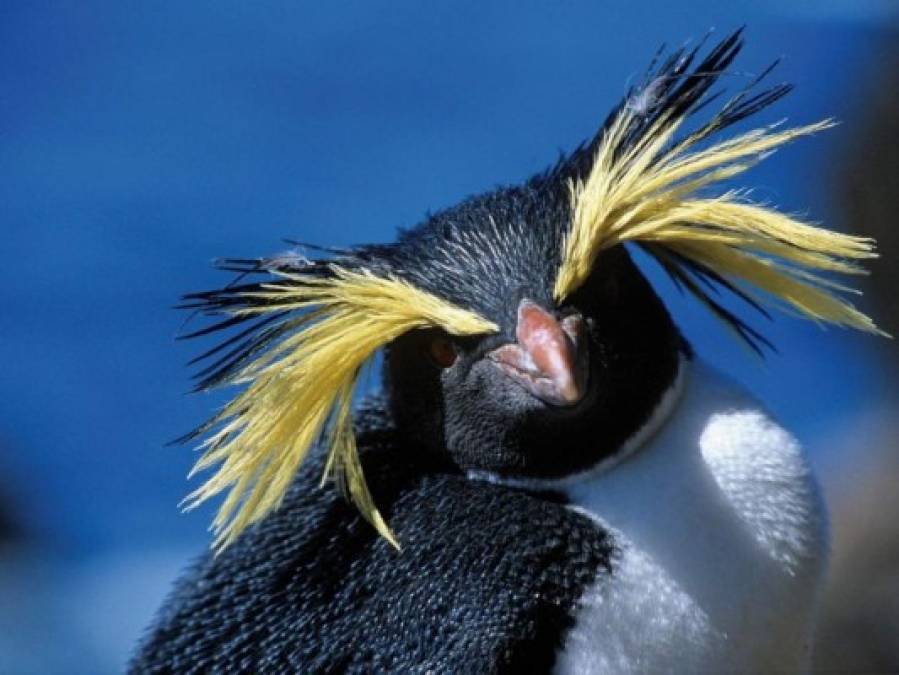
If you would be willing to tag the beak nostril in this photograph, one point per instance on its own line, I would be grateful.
(574, 327)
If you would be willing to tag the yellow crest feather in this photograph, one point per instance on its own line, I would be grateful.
(647, 193)
(304, 386)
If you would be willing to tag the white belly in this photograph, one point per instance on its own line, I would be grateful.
(722, 544)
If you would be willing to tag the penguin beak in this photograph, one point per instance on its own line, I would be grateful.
(549, 358)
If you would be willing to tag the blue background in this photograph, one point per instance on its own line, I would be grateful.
(140, 140)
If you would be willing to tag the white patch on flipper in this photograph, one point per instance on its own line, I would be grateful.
(762, 470)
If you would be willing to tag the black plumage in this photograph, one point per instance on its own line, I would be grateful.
(313, 589)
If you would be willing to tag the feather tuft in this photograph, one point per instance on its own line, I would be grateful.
(313, 334)
(647, 186)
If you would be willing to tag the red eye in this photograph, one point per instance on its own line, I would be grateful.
(442, 351)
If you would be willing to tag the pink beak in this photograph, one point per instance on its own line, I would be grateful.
(549, 359)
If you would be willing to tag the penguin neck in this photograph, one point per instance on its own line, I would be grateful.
(665, 405)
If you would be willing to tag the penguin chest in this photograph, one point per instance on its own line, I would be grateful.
(721, 542)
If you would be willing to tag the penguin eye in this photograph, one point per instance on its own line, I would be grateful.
(442, 351)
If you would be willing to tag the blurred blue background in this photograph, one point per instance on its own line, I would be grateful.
(140, 140)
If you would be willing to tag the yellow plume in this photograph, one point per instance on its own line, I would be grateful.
(304, 385)
(646, 192)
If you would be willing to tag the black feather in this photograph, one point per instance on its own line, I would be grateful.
(680, 269)
(313, 589)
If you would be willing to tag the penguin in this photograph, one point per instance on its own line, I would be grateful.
(549, 479)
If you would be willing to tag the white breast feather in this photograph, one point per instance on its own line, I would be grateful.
(722, 542)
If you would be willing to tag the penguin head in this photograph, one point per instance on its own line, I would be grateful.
(562, 383)
(521, 340)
